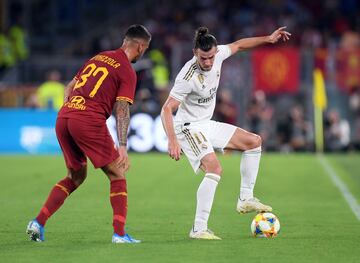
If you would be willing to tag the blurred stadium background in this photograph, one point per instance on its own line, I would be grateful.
(268, 90)
(302, 96)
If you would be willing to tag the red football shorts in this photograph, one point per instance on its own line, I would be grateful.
(80, 139)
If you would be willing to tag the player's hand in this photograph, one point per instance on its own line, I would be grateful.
(123, 158)
(278, 34)
(174, 150)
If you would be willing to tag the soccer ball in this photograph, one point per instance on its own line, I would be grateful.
(265, 225)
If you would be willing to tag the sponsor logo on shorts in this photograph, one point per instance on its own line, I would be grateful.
(76, 102)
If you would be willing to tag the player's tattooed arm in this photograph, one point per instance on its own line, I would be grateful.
(122, 115)
(69, 87)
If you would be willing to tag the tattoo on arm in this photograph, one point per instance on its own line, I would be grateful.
(122, 115)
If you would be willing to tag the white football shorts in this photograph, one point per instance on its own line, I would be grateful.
(200, 138)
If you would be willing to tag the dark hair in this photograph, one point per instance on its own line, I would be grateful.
(203, 39)
(138, 31)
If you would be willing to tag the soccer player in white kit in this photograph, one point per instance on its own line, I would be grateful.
(193, 132)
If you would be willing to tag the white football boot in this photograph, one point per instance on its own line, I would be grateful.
(203, 234)
(251, 205)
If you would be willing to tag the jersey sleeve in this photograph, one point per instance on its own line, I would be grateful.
(224, 52)
(126, 91)
(180, 89)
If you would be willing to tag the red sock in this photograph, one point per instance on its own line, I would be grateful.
(56, 198)
(118, 200)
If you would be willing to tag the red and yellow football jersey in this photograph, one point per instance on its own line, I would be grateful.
(104, 79)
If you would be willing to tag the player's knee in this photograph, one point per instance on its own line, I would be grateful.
(210, 164)
(214, 168)
(255, 142)
(79, 181)
(78, 176)
(113, 172)
(218, 170)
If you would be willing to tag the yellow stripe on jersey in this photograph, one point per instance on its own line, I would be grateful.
(125, 99)
(190, 76)
(190, 72)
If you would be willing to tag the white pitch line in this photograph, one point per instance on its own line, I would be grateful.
(350, 199)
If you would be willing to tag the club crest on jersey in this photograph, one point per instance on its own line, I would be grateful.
(201, 79)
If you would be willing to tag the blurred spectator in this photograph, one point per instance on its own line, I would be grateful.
(50, 94)
(146, 96)
(259, 117)
(356, 138)
(354, 103)
(350, 41)
(226, 110)
(12, 47)
(311, 38)
(300, 129)
(337, 132)
(160, 74)
(7, 58)
(19, 47)
(294, 132)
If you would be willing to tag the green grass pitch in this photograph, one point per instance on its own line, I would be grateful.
(317, 225)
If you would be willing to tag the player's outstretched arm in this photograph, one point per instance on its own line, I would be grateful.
(122, 116)
(69, 87)
(167, 110)
(251, 42)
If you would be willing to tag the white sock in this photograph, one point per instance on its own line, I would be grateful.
(205, 198)
(249, 167)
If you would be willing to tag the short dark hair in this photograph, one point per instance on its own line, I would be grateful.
(203, 39)
(138, 31)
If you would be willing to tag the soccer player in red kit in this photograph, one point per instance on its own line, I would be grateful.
(104, 84)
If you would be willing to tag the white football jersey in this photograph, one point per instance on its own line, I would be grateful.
(196, 89)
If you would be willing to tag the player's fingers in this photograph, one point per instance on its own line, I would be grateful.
(281, 28)
(121, 162)
(171, 154)
(179, 154)
(177, 157)
(126, 166)
(121, 159)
